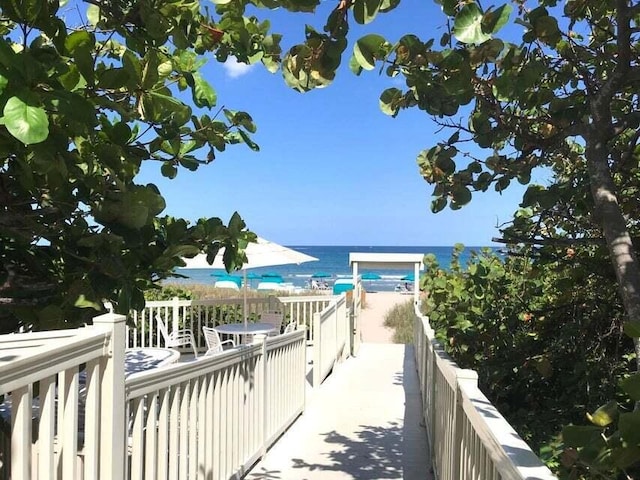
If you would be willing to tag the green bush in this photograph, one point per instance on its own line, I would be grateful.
(544, 334)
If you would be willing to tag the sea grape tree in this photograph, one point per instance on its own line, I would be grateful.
(90, 91)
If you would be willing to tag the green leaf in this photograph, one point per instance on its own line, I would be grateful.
(461, 196)
(80, 45)
(27, 10)
(203, 94)
(354, 66)
(169, 170)
(467, 27)
(3, 83)
(629, 426)
(631, 385)
(364, 11)
(438, 204)
(113, 78)
(250, 143)
(93, 14)
(390, 101)
(493, 21)
(605, 415)
(368, 49)
(632, 329)
(27, 123)
(580, 435)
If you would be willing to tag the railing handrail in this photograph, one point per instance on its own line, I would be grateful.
(80, 346)
(511, 456)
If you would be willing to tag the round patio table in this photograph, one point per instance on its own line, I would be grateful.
(145, 358)
(237, 329)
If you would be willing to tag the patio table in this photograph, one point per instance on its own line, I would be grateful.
(238, 329)
(138, 360)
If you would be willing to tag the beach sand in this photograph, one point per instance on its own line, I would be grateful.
(372, 316)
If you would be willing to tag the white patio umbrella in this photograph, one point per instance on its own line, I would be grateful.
(262, 253)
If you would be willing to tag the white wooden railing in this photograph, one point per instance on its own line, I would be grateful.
(195, 314)
(72, 415)
(332, 338)
(470, 439)
(213, 418)
(301, 309)
(52, 433)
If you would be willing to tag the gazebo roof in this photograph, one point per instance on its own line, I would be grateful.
(400, 261)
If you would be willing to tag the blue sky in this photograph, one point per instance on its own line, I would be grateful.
(332, 168)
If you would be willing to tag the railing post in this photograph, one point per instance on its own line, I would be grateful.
(317, 347)
(113, 435)
(263, 407)
(468, 377)
(175, 315)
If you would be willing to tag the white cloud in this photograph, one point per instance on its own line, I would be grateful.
(236, 69)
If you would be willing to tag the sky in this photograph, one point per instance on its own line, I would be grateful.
(332, 168)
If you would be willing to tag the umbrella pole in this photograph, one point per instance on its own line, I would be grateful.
(244, 308)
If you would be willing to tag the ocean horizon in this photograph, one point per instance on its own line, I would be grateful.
(332, 264)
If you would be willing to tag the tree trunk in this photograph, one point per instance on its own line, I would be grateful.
(609, 215)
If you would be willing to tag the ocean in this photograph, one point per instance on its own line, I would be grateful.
(332, 260)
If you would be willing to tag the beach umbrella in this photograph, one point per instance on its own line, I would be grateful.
(409, 278)
(261, 253)
(272, 278)
(321, 275)
(271, 275)
(370, 276)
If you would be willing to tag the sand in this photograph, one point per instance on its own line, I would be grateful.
(372, 316)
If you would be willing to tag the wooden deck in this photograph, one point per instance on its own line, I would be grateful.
(362, 423)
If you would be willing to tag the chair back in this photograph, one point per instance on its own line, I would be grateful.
(177, 338)
(214, 344)
(162, 328)
(291, 327)
(273, 318)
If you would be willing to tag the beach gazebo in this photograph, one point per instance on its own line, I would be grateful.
(390, 261)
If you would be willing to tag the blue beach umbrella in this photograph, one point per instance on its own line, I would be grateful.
(370, 276)
(230, 278)
(273, 278)
(271, 274)
(321, 275)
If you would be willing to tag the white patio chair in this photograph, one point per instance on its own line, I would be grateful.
(176, 338)
(291, 327)
(214, 344)
(273, 318)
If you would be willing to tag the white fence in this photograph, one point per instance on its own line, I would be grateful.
(52, 434)
(332, 338)
(213, 418)
(469, 438)
(208, 419)
(195, 314)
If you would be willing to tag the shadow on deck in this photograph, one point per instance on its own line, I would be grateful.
(363, 423)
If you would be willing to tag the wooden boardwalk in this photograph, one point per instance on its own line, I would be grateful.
(363, 423)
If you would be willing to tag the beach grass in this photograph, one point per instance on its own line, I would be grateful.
(400, 318)
(201, 291)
